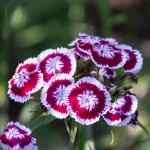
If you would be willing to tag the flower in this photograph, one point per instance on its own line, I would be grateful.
(108, 73)
(106, 54)
(26, 80)
(53, 95)
(87, 99)
(83, 45)
(17, 137)
(119, 114)
(134, 60)
(61, 60)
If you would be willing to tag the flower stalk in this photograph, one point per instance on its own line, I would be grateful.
(73, 132)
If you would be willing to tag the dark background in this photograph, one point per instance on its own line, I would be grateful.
(28, 27)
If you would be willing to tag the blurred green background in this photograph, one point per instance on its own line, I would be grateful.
(29, 26)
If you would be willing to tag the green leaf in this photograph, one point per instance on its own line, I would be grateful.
(40, 121)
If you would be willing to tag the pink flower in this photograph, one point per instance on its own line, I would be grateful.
(53, 95)
(17, 137)
(119, 114)
(87, 100)
(108, 73)
(84, 44)
(105, 54)
(26, 80)
(61, 60)
(134, 60)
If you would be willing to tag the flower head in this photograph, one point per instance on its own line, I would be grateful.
(26, 80)
(61, 60)
(105, 54)
(87, 100)
(53, 95)
(17, 137)
(119, 114)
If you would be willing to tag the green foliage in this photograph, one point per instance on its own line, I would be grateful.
(40, 120)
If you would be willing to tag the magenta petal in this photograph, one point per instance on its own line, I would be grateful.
(84, 46)
(128, 104)
(30, 65)
(81, 54)
(113, 59)
(134, 62)
(33, 84)
(124, 121)
(112, 117)
(85, 117)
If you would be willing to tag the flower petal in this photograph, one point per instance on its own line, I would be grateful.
(124, 121)
(29, 64)
(105, 58)
(84, 46)
(112, 117)
(134, 59)
(128, 104)
(81, 54)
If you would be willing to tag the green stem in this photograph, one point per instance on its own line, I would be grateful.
(85, 140)
(144, 128)
(74, 127)
(67, 126)
(88, 138)
(80, 138)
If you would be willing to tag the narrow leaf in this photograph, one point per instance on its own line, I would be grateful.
(40, 121)
(112, 137)
(67, 126)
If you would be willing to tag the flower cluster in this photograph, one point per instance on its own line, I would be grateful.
(17, 137)
(82, 82)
